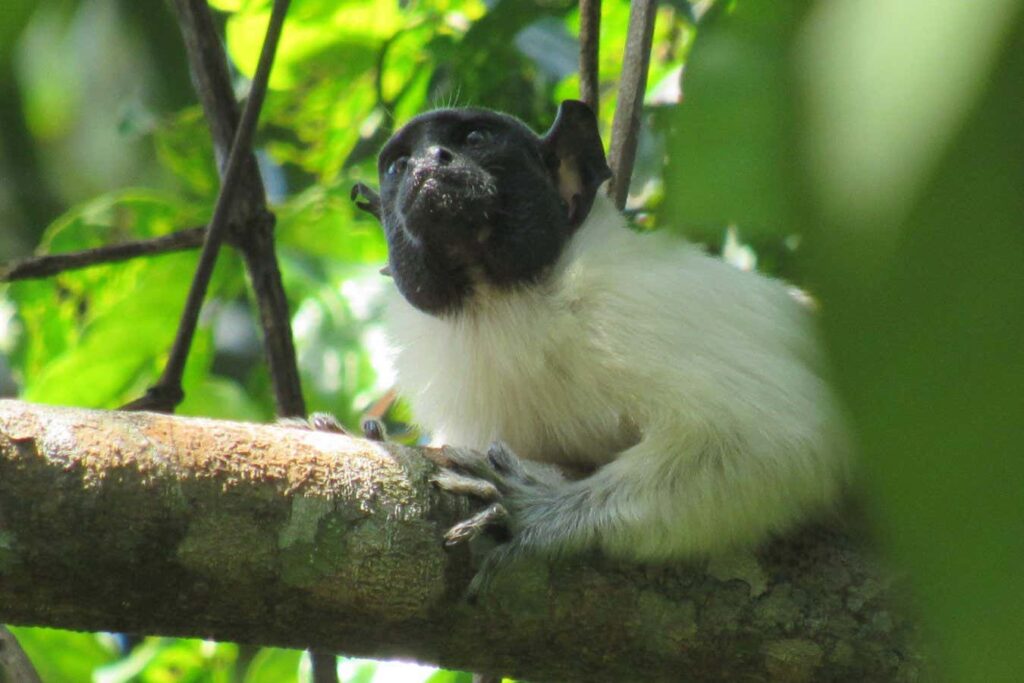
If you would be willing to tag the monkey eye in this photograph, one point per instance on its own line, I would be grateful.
(477, 137)
(397, 166)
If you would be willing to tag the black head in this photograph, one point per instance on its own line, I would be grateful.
(470, 196)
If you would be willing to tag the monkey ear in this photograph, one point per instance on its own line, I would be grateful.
(573, 150)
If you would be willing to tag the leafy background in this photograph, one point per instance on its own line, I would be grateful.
(869, 151)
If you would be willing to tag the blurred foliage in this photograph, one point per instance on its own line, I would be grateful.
(730, 167)
(872, 151)
(920, 254)
(65, 655)
(850, 124)
(68, 657)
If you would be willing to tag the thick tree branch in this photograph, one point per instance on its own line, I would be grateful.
(150, 523)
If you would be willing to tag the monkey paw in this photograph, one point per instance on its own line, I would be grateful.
(499, 478)
(373, 429)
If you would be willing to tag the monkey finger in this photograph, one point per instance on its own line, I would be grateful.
(469, 529)
(454, 482)
(373, 429)
(473, 463)
(325, 422)
(317, 422)
(504, 461)
(293, 423)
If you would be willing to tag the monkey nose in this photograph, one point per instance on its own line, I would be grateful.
(439, 155)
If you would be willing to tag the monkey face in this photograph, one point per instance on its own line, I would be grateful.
(450, 178)
(471, 196)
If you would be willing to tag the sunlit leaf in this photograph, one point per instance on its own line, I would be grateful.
(184, 660)
(184, 146)
(274, 665)
(445, 676)
(325, 222)
(208, 395)
(730, 140)
(64, 656)
(342, 37)
(97, 336)
(353, 670)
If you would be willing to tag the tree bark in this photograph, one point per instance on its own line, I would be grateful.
(149, 523)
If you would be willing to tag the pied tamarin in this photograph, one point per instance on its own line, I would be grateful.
(628, 392)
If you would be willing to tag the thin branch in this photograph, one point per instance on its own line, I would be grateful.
(48, 265)
(590, 39)
(257, 251)
(252, 225)
(381, 406)
(629, 106)
(167, 393)
(211, 77)
(324, 667)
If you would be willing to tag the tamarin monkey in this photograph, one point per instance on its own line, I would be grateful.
(613, 390)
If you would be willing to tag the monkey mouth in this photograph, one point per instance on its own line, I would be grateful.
(446, 192)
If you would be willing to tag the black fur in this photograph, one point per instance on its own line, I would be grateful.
(470, 196)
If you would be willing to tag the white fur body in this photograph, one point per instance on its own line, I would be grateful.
(692, 387)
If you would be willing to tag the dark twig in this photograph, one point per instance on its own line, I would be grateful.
(167, 393)
(51, 264)
(257, 251)
(590, 35)
(251, 224)
(381, 406)
(325, 667)
(212, 79)
(629, 106)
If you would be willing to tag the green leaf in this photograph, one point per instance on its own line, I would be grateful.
(274, 665)
(324, 221)
(132, 213)
(730, 141)
(64, 656)
(97, 337)
(333, 323)
(325, 123)
(181, 660)
(341, 37)
(184, 146)
(446, 676)
(220, 397)
(353, 670)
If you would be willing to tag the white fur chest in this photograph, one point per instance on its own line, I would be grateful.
(516, 366)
